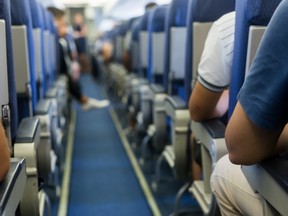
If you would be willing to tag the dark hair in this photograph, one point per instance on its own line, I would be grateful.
(57, 13)
(150, 5)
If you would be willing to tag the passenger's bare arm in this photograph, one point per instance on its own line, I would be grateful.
(249, 144)
(205, 104)
(4, 154)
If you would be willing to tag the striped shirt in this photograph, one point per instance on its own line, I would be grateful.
(214, 69)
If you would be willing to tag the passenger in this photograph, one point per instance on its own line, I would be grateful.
(209, 98)
(80, 36)
(4, 154)
(69, 68)
(256, 130)
(80, 32)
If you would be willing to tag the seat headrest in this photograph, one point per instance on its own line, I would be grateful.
(136, 29)
(45, 18)
(208, 10)
(157, 19)
(20, 12)
(123, 28)
(178, 13)
(144, 21)
(35, 10)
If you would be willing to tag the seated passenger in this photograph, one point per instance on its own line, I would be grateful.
(209, 98)
(4, 154)
(69, 68)
(257, 128)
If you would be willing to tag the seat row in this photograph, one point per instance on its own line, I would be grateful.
(165, 48)
(34, 105)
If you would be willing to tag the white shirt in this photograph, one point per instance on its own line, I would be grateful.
(214, 69)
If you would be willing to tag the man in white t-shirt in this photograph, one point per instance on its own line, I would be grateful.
(209, 98)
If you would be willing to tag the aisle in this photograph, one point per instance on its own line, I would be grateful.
(102, 179)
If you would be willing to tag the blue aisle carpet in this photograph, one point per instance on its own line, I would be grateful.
(102, 179)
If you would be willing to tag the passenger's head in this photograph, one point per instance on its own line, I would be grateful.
(107, 52)
(150, 5)
(59, 21)
(78, 19)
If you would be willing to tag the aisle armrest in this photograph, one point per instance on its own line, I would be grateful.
(52, 92)
(157, 89)
(177, 109)
(12, 187)
(272, 172)
(176, 102)
(26, 146)
(28, 131)
(211, 135)
(43, 107)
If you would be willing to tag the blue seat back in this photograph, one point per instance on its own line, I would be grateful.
(21, 15)
(135, 57)
(201, 11)
(53, 41)
(176, 17)
(6, 15)
(46, 29)
(42, 25)
(123, 28)
(248, 12)
(143, 44)
(156, 28)
(37, 22)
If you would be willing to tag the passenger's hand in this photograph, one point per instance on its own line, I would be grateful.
(4, 154)
(75, 69)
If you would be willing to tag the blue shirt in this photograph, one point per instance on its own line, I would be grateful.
(265, 91)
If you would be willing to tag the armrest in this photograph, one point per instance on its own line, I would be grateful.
(215, 128)
(157, 89)
(272, 172)
(211, 135)
(12, 187)
(52, 92)
(176, 102)
(43, 107)
(277, 167)
(27, 130)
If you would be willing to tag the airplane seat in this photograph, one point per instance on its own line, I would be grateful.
(199, 20)
(132, 48)
(152, 94)
(125, 56)
(174, 65)
(135, 80)
(144, 115)
(24, 56)
(156, 31)
(250, 16)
